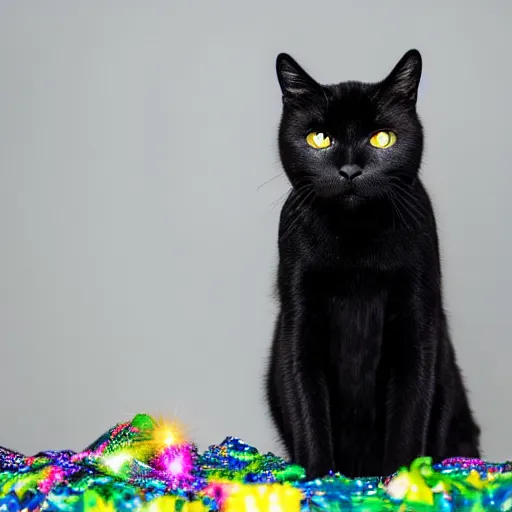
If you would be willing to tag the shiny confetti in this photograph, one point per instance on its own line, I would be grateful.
(149, 466)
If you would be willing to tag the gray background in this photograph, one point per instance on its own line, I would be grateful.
(138, 254)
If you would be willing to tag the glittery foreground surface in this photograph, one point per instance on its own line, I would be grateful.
(145, 465)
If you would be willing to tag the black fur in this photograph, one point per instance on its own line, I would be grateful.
(363, 376)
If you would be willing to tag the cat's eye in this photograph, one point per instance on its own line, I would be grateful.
(383, 139)
(318, 140)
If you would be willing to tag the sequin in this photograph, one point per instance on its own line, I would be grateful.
(134, 468)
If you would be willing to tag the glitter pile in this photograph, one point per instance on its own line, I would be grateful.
(145, 465)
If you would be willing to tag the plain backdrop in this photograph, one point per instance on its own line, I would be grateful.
(138, 250)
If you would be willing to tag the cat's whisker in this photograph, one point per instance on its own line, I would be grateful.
(415, 209)
(268, 181)
(404, 198)
(297, 208)
(301, 182)
(299, 199)
(288, 193)
(393, 209)
(406, 193)
(400, 204)
(409, 209)
(412, 204)
(279, 201)
(393, 198)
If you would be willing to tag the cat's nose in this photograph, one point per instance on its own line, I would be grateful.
(350, 172)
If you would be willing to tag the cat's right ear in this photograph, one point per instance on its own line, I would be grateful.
(293, 80)
(404, 80)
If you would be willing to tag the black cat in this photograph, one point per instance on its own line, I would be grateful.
(363, 376)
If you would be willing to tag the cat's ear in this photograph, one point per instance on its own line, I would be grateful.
(404, 80)
(293, 80)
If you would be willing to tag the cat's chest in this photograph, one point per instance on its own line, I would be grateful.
(350, 311)
(354, 336)
(348, 251)
(354, 324)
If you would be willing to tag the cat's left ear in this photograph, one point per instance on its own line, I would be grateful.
(293, 80)
(404, 80)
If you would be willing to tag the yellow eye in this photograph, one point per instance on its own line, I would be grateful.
(383, 140)
(318, 140)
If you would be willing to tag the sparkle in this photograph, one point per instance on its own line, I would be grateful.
(148, 465)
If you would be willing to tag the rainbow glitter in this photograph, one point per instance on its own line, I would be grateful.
(146, 465)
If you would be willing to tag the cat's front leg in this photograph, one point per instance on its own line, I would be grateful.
(408, 418)
(411, 388)
(306, 404)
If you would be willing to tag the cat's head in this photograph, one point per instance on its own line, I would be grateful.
(353, 142)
